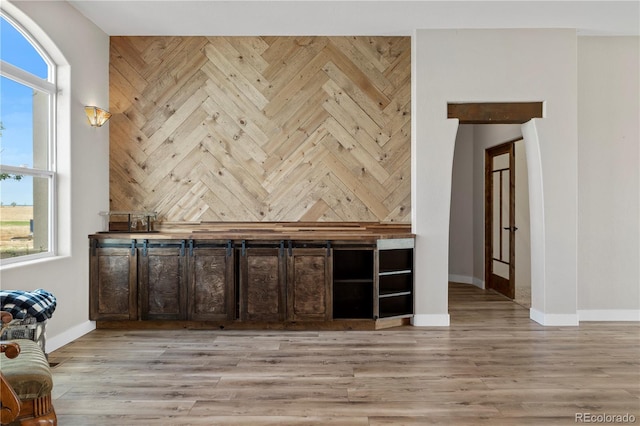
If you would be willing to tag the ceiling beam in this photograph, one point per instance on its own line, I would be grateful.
(495, 112)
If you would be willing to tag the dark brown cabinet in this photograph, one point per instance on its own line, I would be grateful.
(262, 283)
(250, 281)
(281, 281)
(162, 281)
(309, 284)
(114, 281)
(211, 289)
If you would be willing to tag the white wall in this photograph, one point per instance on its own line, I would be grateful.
(81, 51)
(609, 181)
(523, 223)
(461, 233)
(498, 66)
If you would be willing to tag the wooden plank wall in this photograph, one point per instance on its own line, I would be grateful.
(261, 128)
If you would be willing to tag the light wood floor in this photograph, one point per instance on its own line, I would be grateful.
(493, 366)
(523, 295)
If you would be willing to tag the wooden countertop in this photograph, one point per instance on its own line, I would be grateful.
(346, 231)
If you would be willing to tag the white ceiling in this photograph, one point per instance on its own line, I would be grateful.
(390, 17)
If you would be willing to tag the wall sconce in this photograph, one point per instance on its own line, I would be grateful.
(97, 116)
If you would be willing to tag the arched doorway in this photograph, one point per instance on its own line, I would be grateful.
(508, 114)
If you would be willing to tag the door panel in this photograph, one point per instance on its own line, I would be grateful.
(113, 283)
(211, 283)
(500, 219)
(162, 283)
(309, 284)
(262, 282)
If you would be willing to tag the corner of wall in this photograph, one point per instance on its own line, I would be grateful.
(557, 320)
(69, 335)
(430, 320)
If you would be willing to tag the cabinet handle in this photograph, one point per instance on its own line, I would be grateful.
(244, 248)
(190, 248)
(229, 247)
(290, 248)
(183, 244)
(133, 247)
(144, 247)
(281, 248)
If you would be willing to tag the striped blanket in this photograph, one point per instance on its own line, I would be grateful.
(21, 304)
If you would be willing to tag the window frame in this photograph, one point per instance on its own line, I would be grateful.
(49, 87)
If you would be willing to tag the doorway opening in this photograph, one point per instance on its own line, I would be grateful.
(506, 253)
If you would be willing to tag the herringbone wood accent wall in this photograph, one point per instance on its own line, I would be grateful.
(261, 128)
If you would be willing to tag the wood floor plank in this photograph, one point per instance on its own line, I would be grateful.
(492, 366)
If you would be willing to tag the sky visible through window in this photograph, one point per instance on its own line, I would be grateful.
(16, 112)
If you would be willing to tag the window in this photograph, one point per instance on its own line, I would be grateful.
(27, 163)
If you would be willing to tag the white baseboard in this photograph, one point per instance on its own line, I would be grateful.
(465, 279)
(69, 336)
(478, 282)
(430, 320)
(553, 319)
(609, 315)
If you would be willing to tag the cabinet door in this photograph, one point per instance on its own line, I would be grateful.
(162, 282)
(262, 278)
(211, 284)
(309, 284)
(113, 283)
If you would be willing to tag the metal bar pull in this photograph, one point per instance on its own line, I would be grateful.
(133, 247)
(508, 228)
(190, 248)
(183, 244)
(229, 247)
(244, 248)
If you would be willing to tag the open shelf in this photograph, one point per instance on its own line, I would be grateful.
(395, 282)
(393, 261)
(396, 306)
(353, 283)
(389, 284)
(353, 300)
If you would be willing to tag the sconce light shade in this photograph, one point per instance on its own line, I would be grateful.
(97, 116)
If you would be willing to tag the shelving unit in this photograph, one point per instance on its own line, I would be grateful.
(353, 282)
(395, 278)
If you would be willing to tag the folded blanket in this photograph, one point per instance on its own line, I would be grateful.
(38, 303)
